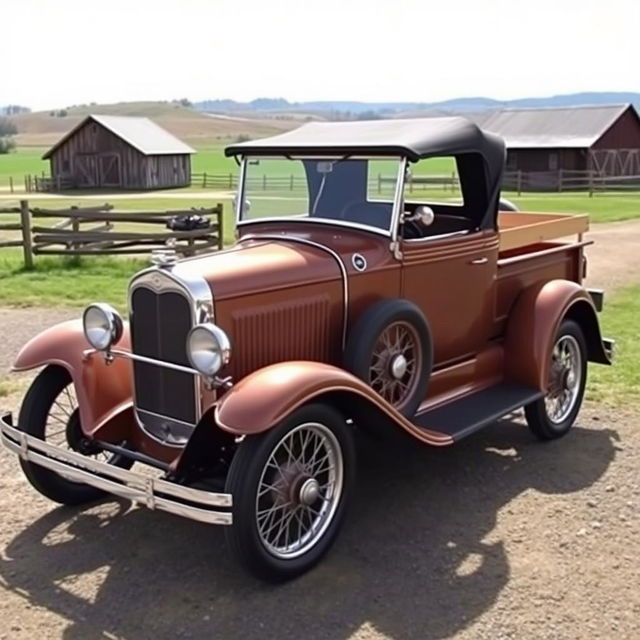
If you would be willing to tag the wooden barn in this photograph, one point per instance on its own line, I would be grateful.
(602, 138)
(120, 152)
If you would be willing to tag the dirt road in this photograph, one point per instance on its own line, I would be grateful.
(499, 537)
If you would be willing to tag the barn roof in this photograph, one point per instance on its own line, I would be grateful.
(141, 133)
(552, 127)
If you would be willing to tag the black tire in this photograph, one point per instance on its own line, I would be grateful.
(366, 333)
(251, 469)
(33, 418)
(537, 413)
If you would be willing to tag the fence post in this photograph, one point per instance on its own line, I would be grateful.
(291, 182)
(57, 183)
(264, 181)
(591, 183)
(379, 183)
(559, 180)
(25, 223)
(204, 180)
(10, 184)
(230, 181)
(519, 182)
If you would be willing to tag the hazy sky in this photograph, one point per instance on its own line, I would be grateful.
(62, 52)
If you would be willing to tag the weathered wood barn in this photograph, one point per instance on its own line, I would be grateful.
(120, 152)
(604, 139)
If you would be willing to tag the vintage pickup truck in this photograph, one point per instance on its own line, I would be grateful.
(345, 306)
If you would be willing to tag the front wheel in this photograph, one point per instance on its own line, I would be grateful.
(289, 488)
(50, 412)
(553, 415)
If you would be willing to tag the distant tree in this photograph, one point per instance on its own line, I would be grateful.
(243, 137)
(185, 102)
(62, 113)
(7, 144)
(7, 128)
(14, 109)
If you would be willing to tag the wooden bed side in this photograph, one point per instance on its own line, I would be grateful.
(520, 229)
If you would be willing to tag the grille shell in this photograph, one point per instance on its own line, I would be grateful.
(167, 402)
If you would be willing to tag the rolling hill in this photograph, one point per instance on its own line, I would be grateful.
(44, 128)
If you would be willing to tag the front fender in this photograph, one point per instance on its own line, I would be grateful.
(267, 396)
(103, 390)
(534, 322)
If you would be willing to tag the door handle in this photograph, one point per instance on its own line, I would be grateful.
(479, 261)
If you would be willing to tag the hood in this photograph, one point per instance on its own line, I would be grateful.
(259, 266)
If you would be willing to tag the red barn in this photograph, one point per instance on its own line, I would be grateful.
(605, 139)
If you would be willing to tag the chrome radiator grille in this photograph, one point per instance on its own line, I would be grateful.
(165, 399)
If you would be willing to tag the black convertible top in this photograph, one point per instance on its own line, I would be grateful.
(414, 139)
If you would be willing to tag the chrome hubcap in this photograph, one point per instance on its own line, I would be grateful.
(309, 492)
(398, 366)
(564, 380)
(299, 490)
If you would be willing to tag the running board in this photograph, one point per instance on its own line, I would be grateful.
(471, 413)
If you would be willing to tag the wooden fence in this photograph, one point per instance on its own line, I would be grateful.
(561, 180)
(70, 236)
(567, 180)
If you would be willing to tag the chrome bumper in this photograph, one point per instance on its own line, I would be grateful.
(153, 493)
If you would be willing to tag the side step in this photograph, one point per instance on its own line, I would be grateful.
(471, 413)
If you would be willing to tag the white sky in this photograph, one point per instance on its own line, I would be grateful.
(55, 53)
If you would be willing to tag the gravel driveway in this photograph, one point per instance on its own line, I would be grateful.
(498, 537)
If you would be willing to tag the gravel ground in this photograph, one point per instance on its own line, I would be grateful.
(498, 537)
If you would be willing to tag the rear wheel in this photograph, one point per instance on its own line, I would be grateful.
(553, 415)
(50, 412)
(289, 488)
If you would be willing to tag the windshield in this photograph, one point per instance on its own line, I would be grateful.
(358, 191)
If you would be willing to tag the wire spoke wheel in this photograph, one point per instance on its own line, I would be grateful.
(62, 427)
(396, 363)
(299, 490)
(564, 380)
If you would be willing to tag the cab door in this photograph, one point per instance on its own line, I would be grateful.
(452, 280)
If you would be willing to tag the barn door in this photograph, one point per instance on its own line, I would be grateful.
(109, 170)
(86, 169)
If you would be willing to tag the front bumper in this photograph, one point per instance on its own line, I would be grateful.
(154, 493)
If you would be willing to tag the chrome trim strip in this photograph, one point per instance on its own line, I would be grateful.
(334, 254)
(158, 363)
(544, 252)
(398, 205)
(154, 493)
(240, 189)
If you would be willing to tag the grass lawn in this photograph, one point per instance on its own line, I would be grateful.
(59, 281)
(619, 384)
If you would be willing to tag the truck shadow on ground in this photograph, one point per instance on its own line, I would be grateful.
(417, 517)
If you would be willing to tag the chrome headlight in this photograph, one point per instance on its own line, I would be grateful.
(102, 326)
(208, 348)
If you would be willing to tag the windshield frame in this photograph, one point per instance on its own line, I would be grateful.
(391, 232)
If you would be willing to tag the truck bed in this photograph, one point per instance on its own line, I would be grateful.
(521, 229)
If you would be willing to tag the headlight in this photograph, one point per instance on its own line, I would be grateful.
(102, 326)
(208, 348)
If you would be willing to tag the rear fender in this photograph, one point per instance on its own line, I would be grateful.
(104, 390)
(534, 322)
(267, 396)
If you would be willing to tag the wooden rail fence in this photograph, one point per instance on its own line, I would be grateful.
(69, 236)
(519, 181)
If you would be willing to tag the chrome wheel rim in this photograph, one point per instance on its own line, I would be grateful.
(63, 421)
(565, 379)
(299, 490)
(396, 364)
